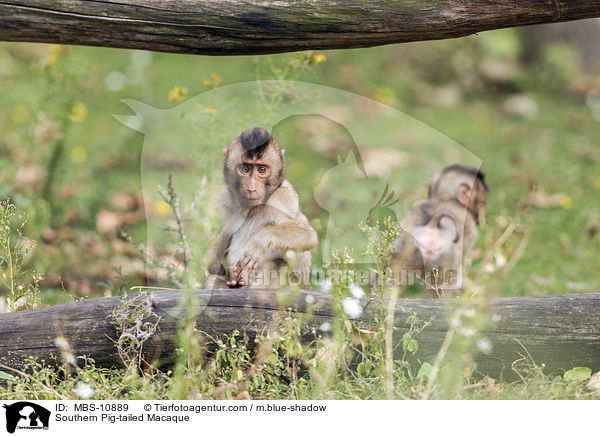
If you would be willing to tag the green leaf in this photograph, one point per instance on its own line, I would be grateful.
(425, 371)
(361, 369)
(7, 376)
(578, 374)
(409, 344)
(556, 389)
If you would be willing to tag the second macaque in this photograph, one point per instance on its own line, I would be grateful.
(440, 231)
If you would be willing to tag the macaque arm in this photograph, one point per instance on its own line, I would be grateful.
(287, 236)
(216, 252)
(272, 242)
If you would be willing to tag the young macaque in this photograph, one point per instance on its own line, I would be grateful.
(437, 235)
(264, 227)
(440, 231)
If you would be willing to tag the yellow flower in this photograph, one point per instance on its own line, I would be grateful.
(79, 155)
(162, 208)
(78, 112)
(210, 110)
(52, 55)
(19, 114)
(213, 82)
(566, 201)
(178, 93)
(318, 58)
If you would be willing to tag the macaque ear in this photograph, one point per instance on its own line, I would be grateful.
(463, 194)
(282, 152)
(225, 151)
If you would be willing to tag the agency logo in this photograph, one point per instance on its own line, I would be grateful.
(26, 415)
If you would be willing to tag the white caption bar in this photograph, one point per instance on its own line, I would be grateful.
(274, 417)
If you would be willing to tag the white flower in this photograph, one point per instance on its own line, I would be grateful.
(325, 327)
(455, 322)
(489, 268)
(309, 299)
(468, 332)
(326, 285)
(83, 390)
(61, 343)
(115, 81)
(484, 345)
(468, 312)
(352, 307)
(70, 358)
(500, 259)
(356, 291)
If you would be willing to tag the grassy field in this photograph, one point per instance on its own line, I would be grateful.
(78, 173)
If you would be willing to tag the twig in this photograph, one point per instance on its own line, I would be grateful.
(158, 288)
(170, 196)
(389, 343)
(438, 363)
(45, 387)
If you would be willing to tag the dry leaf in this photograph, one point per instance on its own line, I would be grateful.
(30, 176)
(380, 162)
(122, 202)
(107, 220)
(487, 383)
(538, 198)
(593, 383)
(584, 84)
(363, 336)
(522, 106)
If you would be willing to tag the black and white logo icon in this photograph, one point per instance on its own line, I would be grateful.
(26, 415)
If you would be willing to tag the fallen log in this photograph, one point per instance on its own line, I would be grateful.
(559, 332)
(230, 27)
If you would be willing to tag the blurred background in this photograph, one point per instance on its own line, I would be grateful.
(525, 101)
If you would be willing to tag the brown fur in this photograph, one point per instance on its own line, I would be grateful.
(457, 196)
(262, 219)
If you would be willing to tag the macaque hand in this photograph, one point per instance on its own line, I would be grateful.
(246, 266)
(235, 284)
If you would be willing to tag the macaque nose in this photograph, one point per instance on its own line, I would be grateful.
(430, 241)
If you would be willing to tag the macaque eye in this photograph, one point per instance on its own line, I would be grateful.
(244, 169)
(262, 169)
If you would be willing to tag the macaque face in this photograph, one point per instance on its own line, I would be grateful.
(253, 167)
(253, 176)
(464, 184)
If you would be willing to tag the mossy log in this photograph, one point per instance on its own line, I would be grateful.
(230, 27)
(559, 332)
